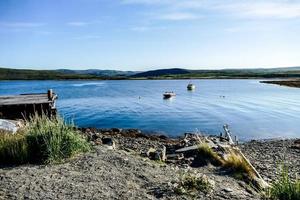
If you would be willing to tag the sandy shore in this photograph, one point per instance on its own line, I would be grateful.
(123, 173)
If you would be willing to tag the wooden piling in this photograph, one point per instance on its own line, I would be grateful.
(50, 94)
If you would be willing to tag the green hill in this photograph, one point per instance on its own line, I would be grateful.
(291, 72)
(24, 74)
(174, 73)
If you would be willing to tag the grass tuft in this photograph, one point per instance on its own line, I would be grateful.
(43, 140)
(190, 183)
(237, 164)
(234, 162)
(206, 154)
(13, 148)
(284, 188)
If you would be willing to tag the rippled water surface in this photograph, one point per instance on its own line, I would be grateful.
(252, 110)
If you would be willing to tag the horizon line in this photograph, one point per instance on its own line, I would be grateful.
(143, 70)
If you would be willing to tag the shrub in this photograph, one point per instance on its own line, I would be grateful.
(43, 140)
(284, 188)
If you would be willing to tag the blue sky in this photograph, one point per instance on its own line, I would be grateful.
(149, 34)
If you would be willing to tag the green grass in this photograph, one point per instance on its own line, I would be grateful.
(43, 140)
(190, 183)
(13, 148)
(284, 188)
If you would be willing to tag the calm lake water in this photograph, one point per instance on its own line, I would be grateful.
(252, 109)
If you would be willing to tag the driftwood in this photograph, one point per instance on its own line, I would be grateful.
(223, 146)
(228, 134)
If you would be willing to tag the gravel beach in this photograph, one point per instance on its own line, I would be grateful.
(268, 156)
(122, 173)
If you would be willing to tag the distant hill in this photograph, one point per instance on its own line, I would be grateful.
(173, 73)
(276, 70)
(61, 74)
(177, 73)
(161, 72)
(26, 74)
(97, 72)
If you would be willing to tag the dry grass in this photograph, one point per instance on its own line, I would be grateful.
(233, 161)
(208, 155)
(238, 166)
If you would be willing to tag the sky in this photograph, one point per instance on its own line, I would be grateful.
(149, 34)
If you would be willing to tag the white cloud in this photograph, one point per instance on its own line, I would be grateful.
(271, 9)
(277, 10)
(172, 10)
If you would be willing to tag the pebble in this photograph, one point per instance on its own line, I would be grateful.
(228, 190)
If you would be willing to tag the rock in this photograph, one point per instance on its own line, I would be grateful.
(116, 130)
(151, 150)
(296, 144)
(109, 142)
(227, 190)
(154, 154)
(9, 125)
(97, 141)
(163, 137)
(93, 137)
(133, 133)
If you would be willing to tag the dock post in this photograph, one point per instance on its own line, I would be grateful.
(50, 94)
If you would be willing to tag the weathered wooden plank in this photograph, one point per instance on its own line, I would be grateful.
(25, 105)
(25, 99)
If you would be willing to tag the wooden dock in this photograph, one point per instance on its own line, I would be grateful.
(24, 105)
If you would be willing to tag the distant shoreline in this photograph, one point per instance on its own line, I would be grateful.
(289, 83)
(160, 74)
(150, 79)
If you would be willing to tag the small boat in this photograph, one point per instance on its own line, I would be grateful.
(168, 95)
(191, 86)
